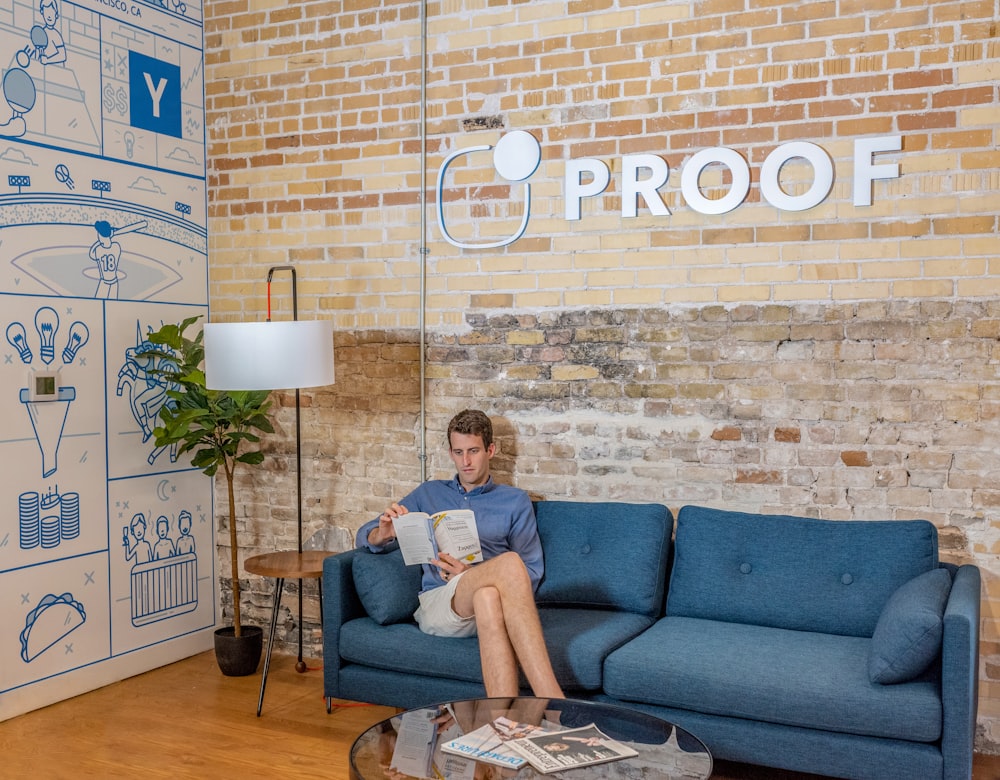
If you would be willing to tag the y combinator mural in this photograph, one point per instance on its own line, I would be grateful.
(106, 541)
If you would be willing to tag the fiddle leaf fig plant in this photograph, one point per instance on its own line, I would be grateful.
(219, 427)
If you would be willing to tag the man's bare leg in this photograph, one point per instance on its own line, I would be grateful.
(508, 609)
(495, 650)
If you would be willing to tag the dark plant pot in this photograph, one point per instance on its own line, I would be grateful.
(238, 657)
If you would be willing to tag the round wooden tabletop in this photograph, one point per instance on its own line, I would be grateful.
(289, 565)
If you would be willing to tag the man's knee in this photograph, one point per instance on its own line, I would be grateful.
(487, 606)
(512, 566)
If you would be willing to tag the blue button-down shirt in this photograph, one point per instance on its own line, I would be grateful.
(505, 520)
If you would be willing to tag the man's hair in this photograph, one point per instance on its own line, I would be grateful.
(472, 422)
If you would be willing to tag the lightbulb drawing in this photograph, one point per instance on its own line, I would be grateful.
(129, 139)
(18, 338)
(78, 336)
(47, 324)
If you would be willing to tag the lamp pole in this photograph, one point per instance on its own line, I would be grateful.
(300, 666)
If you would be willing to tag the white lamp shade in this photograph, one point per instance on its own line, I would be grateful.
(268, 355)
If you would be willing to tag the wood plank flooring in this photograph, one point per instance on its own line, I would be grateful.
(187, 720)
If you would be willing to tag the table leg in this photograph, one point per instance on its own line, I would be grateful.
(300, 667)
(279, 583)
(319, 581)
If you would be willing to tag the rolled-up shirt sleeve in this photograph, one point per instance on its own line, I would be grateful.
(362, 538)
(411, 502)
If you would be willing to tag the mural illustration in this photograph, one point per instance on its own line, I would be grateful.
(145, 388)
(164, 579)
(55, 618)
(103, 214)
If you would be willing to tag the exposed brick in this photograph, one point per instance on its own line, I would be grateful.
(788, 435)
(855, 458)
(758, 477)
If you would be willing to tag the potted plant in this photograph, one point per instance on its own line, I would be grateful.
(220, 428)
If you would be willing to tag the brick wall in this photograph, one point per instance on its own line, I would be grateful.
(838, 362)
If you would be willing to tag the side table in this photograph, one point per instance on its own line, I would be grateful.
(282, 566)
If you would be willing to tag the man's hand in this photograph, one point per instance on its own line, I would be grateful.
(385, 532)
(449, 565)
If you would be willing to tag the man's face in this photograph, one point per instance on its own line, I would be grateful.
(471, 459)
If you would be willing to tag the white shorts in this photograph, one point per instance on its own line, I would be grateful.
(435, 615)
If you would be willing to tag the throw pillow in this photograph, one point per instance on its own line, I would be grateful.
(907, 636)
(387, 587)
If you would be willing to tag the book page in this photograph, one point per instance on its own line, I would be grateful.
(456, 534)
(414, 537)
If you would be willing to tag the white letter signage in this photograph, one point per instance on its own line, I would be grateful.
(865, 173)
(575, 190)
(632, 187)
(691, 176)
(770, 186)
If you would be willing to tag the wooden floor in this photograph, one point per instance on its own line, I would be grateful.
(187, 720)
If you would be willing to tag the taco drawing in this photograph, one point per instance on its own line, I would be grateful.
(54, 618)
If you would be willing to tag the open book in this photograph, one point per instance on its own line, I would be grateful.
(421, 536)
(569, 749)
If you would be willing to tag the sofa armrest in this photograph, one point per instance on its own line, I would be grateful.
(340, 604)
(960, 673)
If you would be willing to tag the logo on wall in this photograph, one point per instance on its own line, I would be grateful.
(518, 153)
(515, 158)
(156, 95)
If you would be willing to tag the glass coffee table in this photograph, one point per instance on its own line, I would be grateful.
(409, 745)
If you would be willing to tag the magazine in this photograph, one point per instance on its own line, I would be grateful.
(489, 742)
(570, 749)
(413, 751)
(416, 748)
(453, 531)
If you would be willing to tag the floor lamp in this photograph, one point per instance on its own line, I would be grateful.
(273, 356)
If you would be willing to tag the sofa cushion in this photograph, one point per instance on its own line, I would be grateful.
(387, 587)
(604, 555)
(831, 576)
(403, 647)
(795, 678)
(907, 637)
(578, 641)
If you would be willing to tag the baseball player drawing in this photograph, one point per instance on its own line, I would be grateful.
(107, 253)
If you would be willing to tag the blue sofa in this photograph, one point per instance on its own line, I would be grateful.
(842, 648)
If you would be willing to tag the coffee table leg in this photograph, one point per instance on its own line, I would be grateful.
(279, 583)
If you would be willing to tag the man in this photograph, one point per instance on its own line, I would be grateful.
(54, 51)
(494, 599)
(107, 254)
